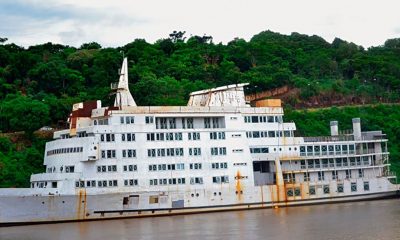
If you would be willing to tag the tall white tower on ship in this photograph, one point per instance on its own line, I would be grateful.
(123, 95)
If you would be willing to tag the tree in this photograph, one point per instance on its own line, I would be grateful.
(21, 113)
(91, 45)
(393, 43)
(176, 36)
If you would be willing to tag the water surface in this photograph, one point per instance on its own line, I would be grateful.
(361, 220)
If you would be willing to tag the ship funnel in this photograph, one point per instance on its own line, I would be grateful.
(334, 128)
(356, 128)
(123, 95)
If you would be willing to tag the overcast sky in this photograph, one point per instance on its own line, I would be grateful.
(118, 22)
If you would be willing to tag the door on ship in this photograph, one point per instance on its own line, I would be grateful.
(263, 173)
(131, 202)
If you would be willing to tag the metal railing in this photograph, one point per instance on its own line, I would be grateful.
(329, 138)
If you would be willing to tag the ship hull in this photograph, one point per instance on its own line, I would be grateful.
(26, 210)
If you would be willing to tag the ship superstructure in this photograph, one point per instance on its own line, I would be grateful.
(217, 153)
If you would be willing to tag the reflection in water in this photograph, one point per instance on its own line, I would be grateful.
(362, 220)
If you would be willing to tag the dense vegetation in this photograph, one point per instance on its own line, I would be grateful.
(39, 84)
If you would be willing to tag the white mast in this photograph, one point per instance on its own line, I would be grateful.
(124, 97)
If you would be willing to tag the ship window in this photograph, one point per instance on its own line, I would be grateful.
(354, 187)
(366, 186)
(321, 176)
(150, 137)
(207, 123)
(149, 119)
(131, 153)
(131, 137)
(69, 169)
(337, 149)
(297, 192)
(270, 119)
(334, 175)
(306, 177)
(190, 123)
(289, 192)
(178, 136)
(302, 149)
(340, 188)
(312, 190)
(129, 120)
(360, 173)
(196, 180)
(110, 153)
(172, 123)
(326, 189)
(348, 174)
(254, 119)
(153, 199)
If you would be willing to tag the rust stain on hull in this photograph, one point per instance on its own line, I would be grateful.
(81, 204)
(238, 186)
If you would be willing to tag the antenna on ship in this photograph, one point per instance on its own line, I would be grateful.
(123, 95)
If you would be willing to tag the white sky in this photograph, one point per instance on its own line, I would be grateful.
(118, 22)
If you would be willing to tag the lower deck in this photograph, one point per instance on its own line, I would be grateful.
(58, 208)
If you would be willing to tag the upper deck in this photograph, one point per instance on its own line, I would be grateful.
(101, 112)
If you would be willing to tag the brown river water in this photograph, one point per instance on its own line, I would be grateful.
(359, 220)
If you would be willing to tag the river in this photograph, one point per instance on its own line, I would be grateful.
(376, 220)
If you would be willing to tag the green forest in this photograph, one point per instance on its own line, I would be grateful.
(39, 84)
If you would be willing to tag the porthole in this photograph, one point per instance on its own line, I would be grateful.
(192, 195)
(197, 194)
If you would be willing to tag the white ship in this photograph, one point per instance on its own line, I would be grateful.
(215, 154)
